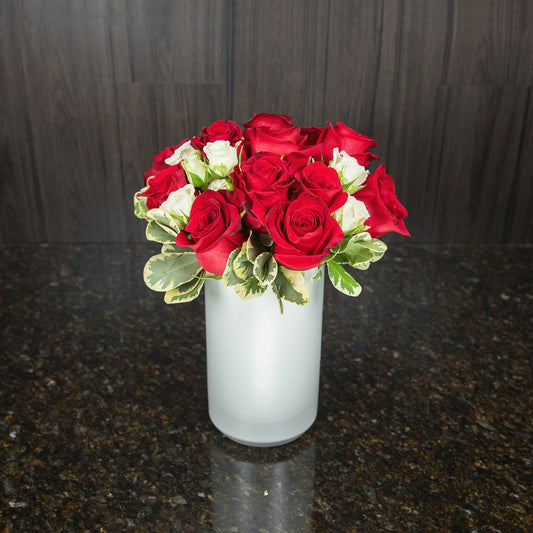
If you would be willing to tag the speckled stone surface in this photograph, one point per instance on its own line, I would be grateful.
(424, 424)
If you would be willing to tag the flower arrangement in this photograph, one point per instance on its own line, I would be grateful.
(258, 206)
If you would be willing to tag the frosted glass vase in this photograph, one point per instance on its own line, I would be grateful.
(263, 367)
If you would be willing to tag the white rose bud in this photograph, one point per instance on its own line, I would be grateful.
(222, 158)
(220, 185)
(351, 173)
(351, 215)
(185, 151)
(195, 169)
(178, 204)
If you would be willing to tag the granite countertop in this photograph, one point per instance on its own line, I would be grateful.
(424, 424)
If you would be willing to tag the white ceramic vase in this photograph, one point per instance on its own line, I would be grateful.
(263, 367)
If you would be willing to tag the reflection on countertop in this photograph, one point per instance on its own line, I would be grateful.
(425, 415)
(273, 492)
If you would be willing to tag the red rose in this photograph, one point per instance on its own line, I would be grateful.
(386, 212)
(215, 229)
(261, 182)
(322, 181)
(159, 164)
(166, 153)
(162, 184)
(154, 169)
(303, 232)
(269, 121)
(344, 138)
(221, 130)
(312, 134)
(276, 134)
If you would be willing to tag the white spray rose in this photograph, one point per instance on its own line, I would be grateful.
(220, 185)
(185, 151)
(351, 173)
(191, 161)
(178, 204)
(195, 169)
(222, 158)
(351, 215)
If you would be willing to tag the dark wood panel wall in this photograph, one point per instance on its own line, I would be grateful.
(91, 89)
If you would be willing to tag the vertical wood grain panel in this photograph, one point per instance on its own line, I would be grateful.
(355, 38)
(279, 58)
(468, 198)
(520, 218)
(492, 43)
(413, 55)
(71, 105)
(22, 216)
(165, 41)
(90, 90)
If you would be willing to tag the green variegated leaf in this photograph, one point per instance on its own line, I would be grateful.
(251, 251)
(266, 240)
(377, 247)
(186, 292)
(275, 290)
(354, 254)
(229, 277)
(242, 265)
(139, 204)
(164, 272)
(251, 288)
(159, 233)
(357, 250)
(290, 285)
(340, 247)
(173, 249)
(163, 218)
(265, 268)
(362, 266)
(318, 274)
(342, 281)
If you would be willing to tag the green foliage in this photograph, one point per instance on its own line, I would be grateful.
(250, 271)
(265, 268)
(160, 233)
(139, 204)
(172, 248)
(229, 277)
(167, 271)
(251, 288)
(242, 266)
(289, 285)
(358, 251)
(186, 292)
(341, 280)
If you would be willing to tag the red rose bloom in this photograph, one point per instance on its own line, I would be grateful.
(269, 122)
(215, 229)
(276, 134)
(221, 130)
(154, 169)
(303, 232)
(162, 184)
(159, 159)
(344, 138)
(312, 135)
(166, 153)
(261, 182)
(322, 181)
(386, 212)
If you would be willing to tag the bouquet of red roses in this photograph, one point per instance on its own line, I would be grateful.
(258, 206)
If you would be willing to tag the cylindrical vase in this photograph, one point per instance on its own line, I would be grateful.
(263, 367)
